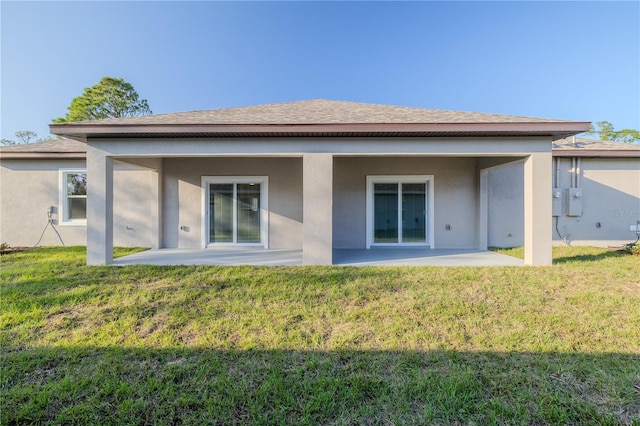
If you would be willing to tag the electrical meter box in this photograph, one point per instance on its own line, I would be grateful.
(574, 202)
(556, 203)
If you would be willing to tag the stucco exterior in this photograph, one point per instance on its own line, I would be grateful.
(183, 208)
(313, 175)
(317, 198)
(29, 186)
(506, 205)
(455, 197)
(610, 202)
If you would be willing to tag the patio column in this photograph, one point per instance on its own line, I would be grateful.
(537, 209)
(317, 209)
(99, 207)
(483, 210)
(156, 209)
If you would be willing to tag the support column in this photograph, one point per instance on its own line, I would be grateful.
(317, 210)
(537, 209)
(483, 210)
(156, 208)
(99, 207)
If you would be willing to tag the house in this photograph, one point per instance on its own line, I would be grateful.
(595, 195)
(43, 185)
(311, 175)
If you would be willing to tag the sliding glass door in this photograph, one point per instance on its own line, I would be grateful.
(235, 211)
(398, 210)
(414, 212)
(221, 213)
(248, 212)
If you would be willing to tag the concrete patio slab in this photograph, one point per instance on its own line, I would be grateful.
(341, 257)
(214, 256)
(422, 257)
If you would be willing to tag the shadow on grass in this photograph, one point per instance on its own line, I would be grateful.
(589, 257)
(206, 386)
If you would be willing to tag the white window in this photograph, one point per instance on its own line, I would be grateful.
(400, 211)
(235, 210)
(73, 197)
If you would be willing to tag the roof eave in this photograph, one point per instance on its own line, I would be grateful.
(555, 152)
(83, 131)
(17, 155)
(559, 152)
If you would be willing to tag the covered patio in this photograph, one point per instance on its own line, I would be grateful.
(233, 256)
(317, 182)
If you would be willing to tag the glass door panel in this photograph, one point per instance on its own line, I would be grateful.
(414, 213)
(248, 211)
(385, 213)
(399, 212)
(221, 213)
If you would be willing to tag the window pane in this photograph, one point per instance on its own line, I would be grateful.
(76, 184)
(77, 208)
(248, 212)
(413, 213)
(385, 213)
(221, 213)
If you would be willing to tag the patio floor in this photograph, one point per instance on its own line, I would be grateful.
(341, 257)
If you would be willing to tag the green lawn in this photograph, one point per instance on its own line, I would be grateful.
(320, 345)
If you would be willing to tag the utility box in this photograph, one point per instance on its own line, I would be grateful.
(574, 202)
(556, 203)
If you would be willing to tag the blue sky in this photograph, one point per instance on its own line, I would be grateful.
(567, 60)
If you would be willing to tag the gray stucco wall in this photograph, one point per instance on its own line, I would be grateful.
(611, 197)
(28, 187)
(182, 206)
(455, 197)
(506, 205)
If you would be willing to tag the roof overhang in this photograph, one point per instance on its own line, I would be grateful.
(81, 155)
(84, 131)
(596, 153)
(18, 155)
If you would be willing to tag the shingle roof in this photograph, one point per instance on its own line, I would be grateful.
(318, 119)
(53, 148)
(322, 111)
(585, 147)
(53, 145)
(586, 143)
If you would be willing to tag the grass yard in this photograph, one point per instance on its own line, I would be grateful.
(320, 345)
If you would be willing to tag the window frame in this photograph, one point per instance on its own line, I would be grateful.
(264, 208)
(63, 211)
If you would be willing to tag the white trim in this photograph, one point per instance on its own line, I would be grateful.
(428, 180)
(264, 208)
(63, 218)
